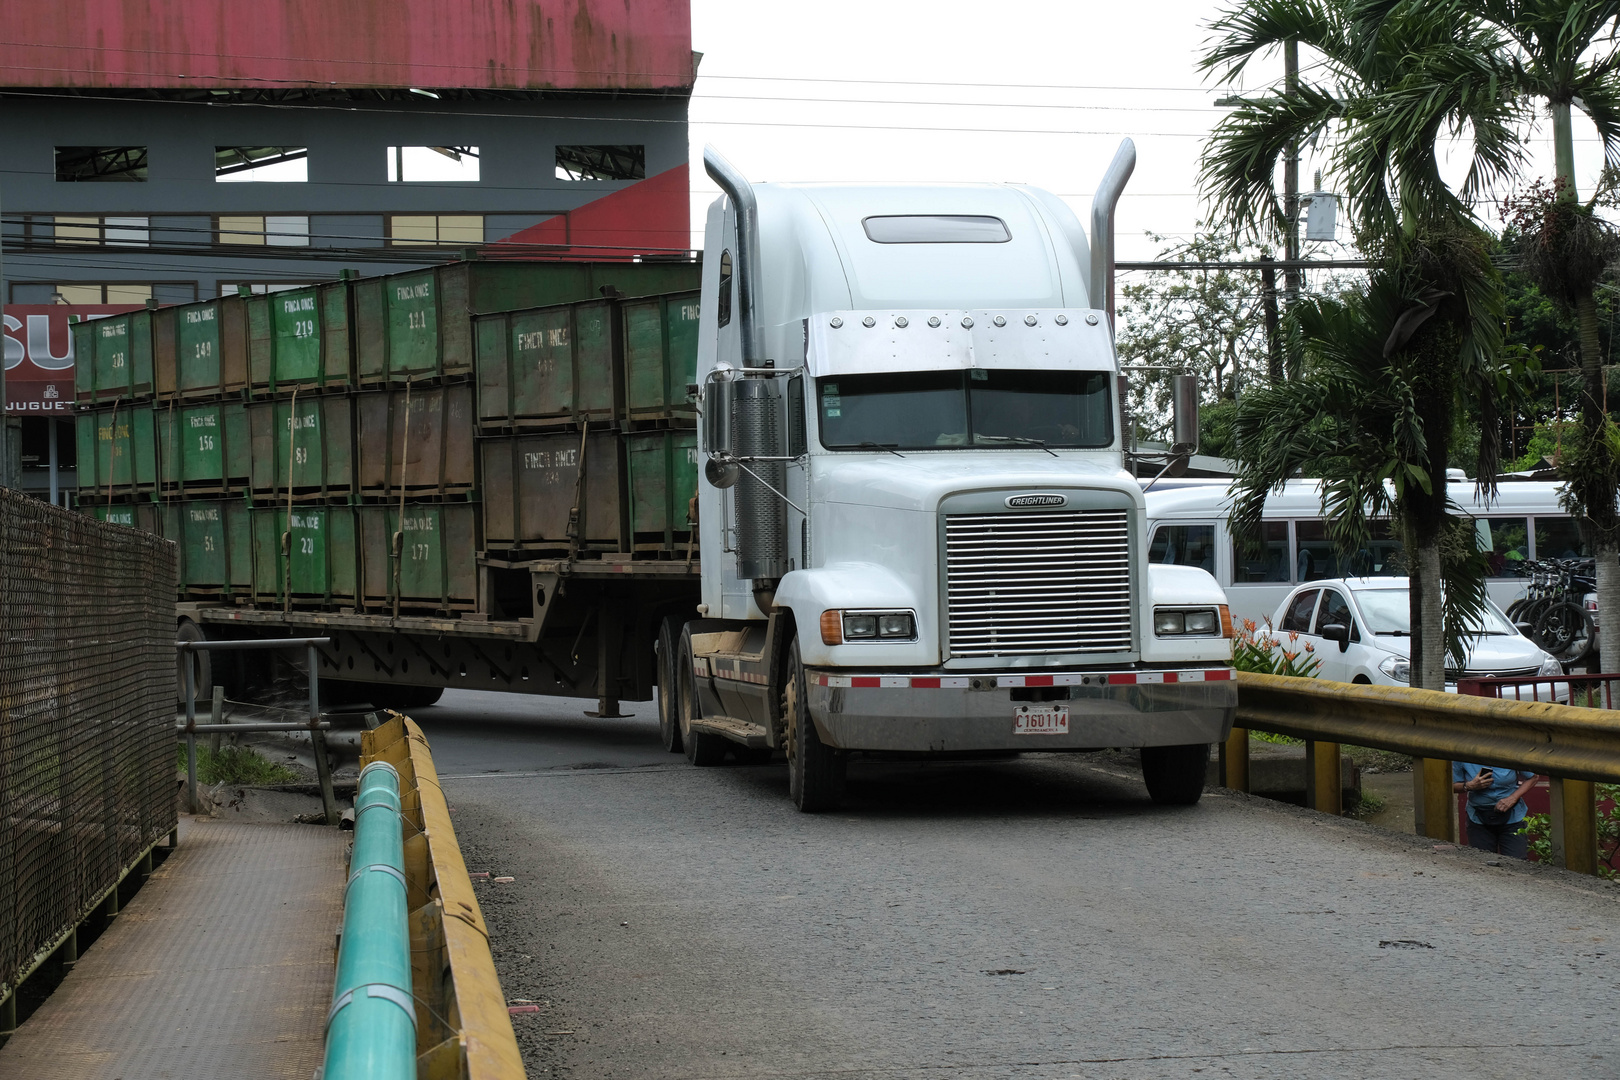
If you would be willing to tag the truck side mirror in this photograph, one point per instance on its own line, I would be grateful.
(719, 469)
(1184, 409)
(1337, 632)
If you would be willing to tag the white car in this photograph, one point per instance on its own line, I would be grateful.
(1360, 628)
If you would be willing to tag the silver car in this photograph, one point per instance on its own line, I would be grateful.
(1361, 630)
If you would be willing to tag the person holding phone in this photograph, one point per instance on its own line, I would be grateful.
(1496, 808)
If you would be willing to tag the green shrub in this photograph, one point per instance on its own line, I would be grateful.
(1538, 827)
(235, 765)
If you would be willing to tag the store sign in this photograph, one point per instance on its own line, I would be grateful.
(39, 354)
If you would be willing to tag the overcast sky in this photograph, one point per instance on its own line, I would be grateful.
(1023, 91)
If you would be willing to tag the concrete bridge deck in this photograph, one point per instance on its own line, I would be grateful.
(1036, 918)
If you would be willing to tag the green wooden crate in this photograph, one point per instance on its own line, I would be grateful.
(300, 340)
(199, 346)
(545, 366)
(437, 565)
(660, 355)
(432, 455)
(117, 450)
(204, 448)
(206, 355)
(113, 358)
(318, 449)
(663, 478)
(530, 482)
(215, 547)
(321, 564)
(418, 325)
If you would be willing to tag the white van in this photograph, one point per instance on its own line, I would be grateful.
(1187, 525)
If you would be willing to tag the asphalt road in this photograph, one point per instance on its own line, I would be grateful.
(1036, 917)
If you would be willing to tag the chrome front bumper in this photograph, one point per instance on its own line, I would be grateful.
(927, 713)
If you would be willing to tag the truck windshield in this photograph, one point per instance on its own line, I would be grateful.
(932, 410)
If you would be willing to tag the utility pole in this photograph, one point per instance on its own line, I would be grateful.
(1292, 276)
(1268, 296)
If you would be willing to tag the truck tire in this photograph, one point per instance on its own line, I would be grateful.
(380, 695)
(816, 771)
(1175, 774)
(702, 749)
(202, 668)
(405, 698)
(669, 723)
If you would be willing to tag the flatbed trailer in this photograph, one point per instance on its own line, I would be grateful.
(593, 632)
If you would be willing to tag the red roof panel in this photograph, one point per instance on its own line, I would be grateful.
(467, 44)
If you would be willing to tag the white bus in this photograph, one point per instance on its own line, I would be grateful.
(1187, 525)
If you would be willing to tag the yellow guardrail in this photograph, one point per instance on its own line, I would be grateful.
(463, 1029)
(1574, 746)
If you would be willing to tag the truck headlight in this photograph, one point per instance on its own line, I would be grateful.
(1173, 622)
(838, 627)
(898, 625)
(1398, 668)
(857, 627)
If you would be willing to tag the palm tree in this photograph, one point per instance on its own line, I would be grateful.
(1384, 95)
(1565, 54)
(1359, 417)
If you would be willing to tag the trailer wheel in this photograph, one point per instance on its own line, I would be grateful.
(669, 723)
(1175, 774)
(702, 748)
(202, 667)
(815, 770)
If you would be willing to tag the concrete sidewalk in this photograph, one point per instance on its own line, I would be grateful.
(221, 966)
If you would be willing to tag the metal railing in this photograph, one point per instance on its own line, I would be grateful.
(1577, 747)
(314, 725)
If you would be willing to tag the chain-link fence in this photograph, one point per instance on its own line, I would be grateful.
(87, 759)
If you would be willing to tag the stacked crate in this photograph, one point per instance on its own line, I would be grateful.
(588, 440)
(345, 446)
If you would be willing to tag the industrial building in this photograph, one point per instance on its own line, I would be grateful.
(165, 151)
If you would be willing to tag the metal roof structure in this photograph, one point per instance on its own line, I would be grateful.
(472, 45)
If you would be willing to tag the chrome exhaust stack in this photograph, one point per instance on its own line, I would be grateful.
(746, 426)
(1102, 228)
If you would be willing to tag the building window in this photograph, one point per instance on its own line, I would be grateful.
(602, 162)
(454, 230)
(259, 288)
(79, 164)
(274, 230)
(103, 292)
(432, 164)
(259, 164)
(115, 231)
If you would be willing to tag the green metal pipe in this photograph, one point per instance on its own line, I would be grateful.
(371, 1028)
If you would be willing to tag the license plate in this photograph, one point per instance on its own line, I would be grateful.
(1041, 720)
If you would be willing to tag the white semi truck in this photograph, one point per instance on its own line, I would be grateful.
(917, 531)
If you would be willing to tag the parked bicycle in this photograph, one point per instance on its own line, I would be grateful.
(1553, 610)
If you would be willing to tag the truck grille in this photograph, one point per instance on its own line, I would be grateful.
(1039, 583)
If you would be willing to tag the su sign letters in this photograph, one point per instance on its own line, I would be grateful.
(39, 354)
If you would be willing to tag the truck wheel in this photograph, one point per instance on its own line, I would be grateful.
(669, 723)
(202, 668)
(403, 698)
(702, 748)
(815, 770)
(1175, 774)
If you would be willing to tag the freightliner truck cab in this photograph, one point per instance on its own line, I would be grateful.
(918, 534)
